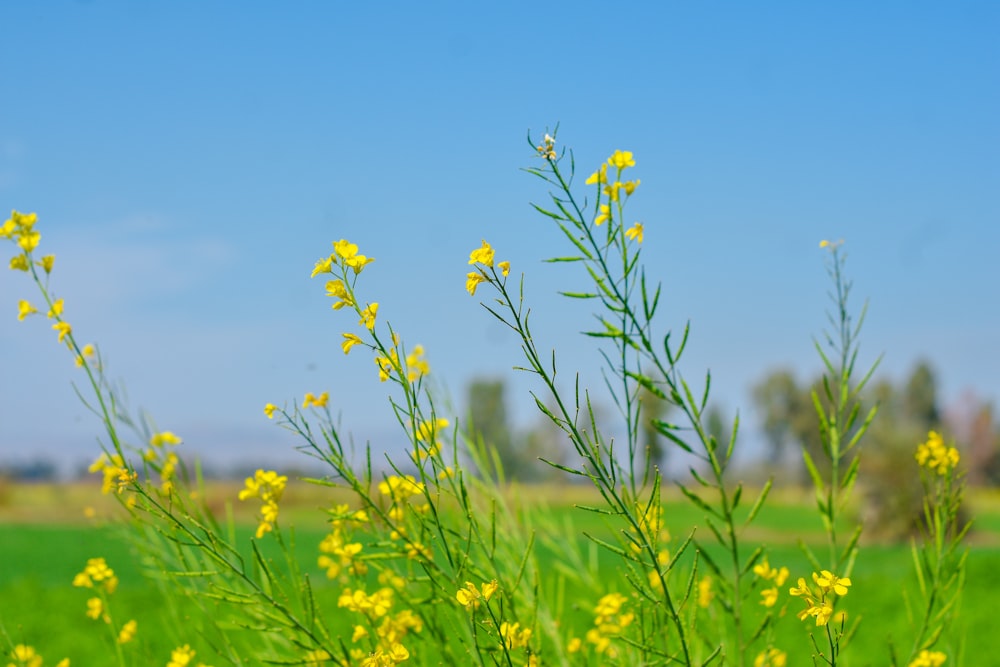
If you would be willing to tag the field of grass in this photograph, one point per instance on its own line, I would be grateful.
(45, 539)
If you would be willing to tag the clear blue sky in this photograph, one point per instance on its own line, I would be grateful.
(189, 161)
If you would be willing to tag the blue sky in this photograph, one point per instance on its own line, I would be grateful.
(189, 162)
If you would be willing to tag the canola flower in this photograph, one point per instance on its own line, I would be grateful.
(26, 656)
(818, 602)
(483, 258)
(929, 659)
(772, 657)
(777, 577)
(935, 456)
(268, 486)
(470, 597)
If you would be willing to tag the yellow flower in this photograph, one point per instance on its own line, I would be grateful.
(24, 309)
(635, 232)
(929, 659)
(345, 249)
(472, 280)
(358, 262)
(705, 593)
(181, 656)
(547, 149)
(338, 290)
(574, 645)
(469, 596)
(416, 365)
(324, 265)
(630, 186)
(368, 316)
(935, 455)
(603, 216)
(269, 409)
(599, 177)
(831, 582)
(504, 268)
(621, 159)
(56, 309)
(26, 656)
(769, 596)
(29, 240)
(48, 261)
(513, 637)
(611, 190)
(95, 608)
(127, 633)
(772, 657)
(63, 328)
(164, 438)
(19, 263)
(483, 255)
(314, 401)
(350, 340)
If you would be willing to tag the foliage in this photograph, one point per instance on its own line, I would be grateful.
(430, 564)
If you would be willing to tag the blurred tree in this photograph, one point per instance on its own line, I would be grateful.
(778, 399)
(488, 422)
(920, 396)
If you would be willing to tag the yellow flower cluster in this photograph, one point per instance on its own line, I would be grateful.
(929, 659)
(705, 592)
(772, 657)
(117, 476)
(26, 656)
(268, 486)
(20, 228)
(471, 597)
(345, 254)
(389, 629)
(427, 435)
(182, 657)
(337, 551)
(819, 603)
(514, 636)
(935, 455)
(612, 189)
(763, 569)
(312, 401)
(483, 258)
(609, 622)
(97, 572)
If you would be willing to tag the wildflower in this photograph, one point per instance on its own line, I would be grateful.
(87, 352)
(26, 656)
(630, 186)
(574, 645)
(311, 400)
(95, 608)
(324, 265)
(472, 280)
(268, 486)
(368, 316)
(504, 268)
(181, 656)
(56, 309)
(705, 593)
(24, 309)
(63, 328)
(483, 255)
(19, 263)
(772, 657)
(603, 216)
(611, 190)
(599, 177)
(269, 409)
(386, 365)
(621, 160)
(400, 488)
(350, 340)
(830, 582)
(764, 570)
(48, 261)
(338, 290)
(416, 365)
(469, 596)
(769, 596)
(929, 659)
(935, 455)
(345, 249)
(29, 240)
(164, 438)
(96, 572)
(317, 658)
(358, 262)
(513, 637)
(635, 232)
(337, 554)
(127, 633)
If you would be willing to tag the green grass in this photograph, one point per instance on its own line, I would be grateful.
(39, 606)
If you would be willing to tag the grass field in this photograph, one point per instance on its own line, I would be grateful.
(45, 539)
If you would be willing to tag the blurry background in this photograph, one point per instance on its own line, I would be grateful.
(190, 161)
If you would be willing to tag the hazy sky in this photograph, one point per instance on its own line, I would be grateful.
(189, 162)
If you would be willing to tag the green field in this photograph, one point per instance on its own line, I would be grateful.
(41, 551)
